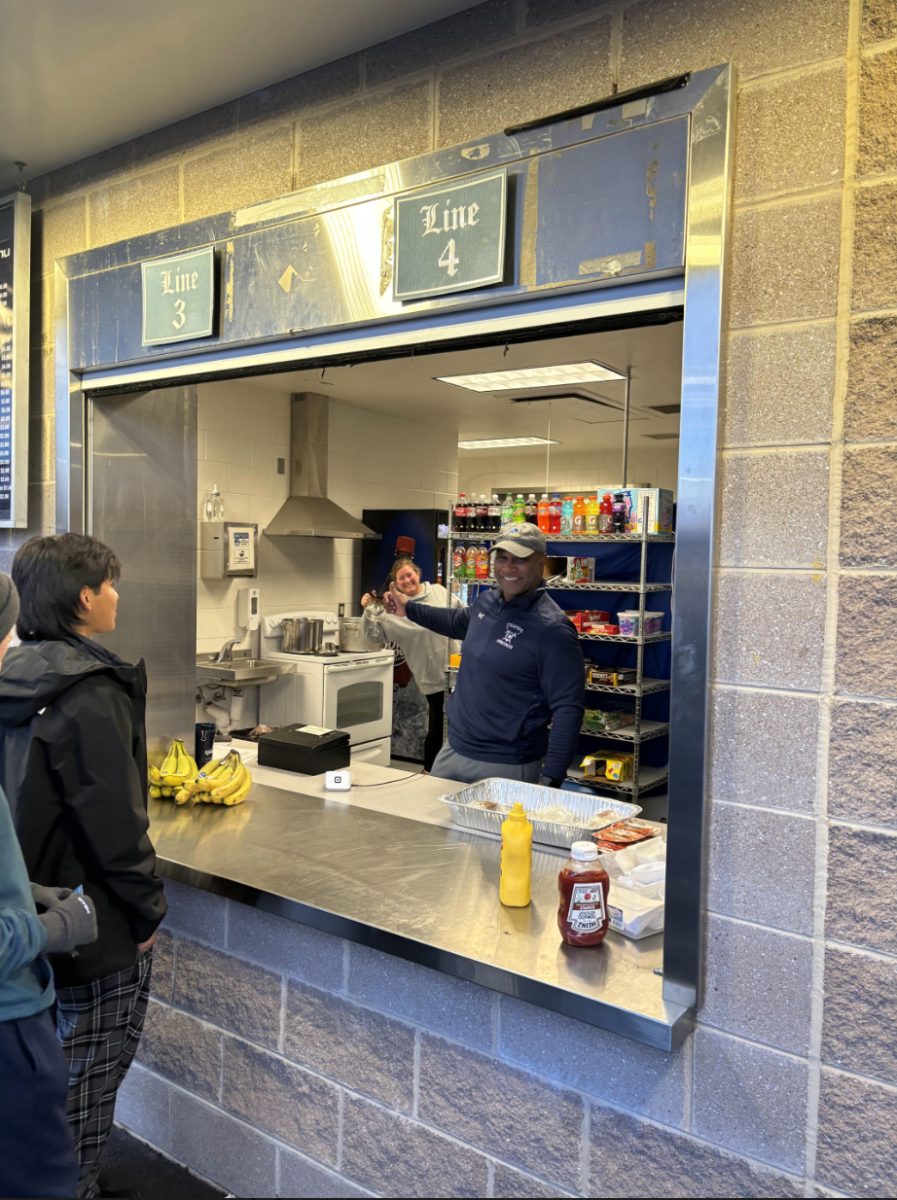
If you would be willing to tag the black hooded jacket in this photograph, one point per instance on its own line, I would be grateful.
(73, 766)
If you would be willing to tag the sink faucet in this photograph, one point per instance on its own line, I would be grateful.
(226, 653)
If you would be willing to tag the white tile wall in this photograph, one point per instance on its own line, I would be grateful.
(480, 472)
(375, 462)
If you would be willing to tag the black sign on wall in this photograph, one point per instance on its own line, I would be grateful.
(15, 262)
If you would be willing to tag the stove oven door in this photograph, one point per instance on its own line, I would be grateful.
(358, 698)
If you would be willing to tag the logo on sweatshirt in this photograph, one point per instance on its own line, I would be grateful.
(511, 632)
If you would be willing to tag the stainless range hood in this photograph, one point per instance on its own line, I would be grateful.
(308, 512)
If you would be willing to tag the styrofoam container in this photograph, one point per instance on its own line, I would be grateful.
(532, 796)
(634, 915)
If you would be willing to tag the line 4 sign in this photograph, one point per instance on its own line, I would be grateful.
(451, 239)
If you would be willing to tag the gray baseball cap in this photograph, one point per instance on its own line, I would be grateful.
(521, 539)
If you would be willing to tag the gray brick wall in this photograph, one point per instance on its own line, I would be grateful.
(791, 1070)
(388, 1078)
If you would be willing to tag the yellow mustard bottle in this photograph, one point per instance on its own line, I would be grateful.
(515, 887)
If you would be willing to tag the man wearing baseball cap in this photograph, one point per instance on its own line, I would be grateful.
(521, 671)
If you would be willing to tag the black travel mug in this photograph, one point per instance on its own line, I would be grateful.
(205, 740)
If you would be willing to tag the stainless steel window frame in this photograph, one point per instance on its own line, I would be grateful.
(704, 293)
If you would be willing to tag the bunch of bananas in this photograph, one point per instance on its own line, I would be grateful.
(176, 770)
(227, 782)
(179, 778)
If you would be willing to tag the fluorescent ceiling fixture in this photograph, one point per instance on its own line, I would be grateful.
(532, 377)
(492, 443)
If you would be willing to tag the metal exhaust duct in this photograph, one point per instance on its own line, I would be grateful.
(308, 512)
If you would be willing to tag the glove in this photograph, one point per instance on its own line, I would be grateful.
(48, 897)
(547, 781)
(70, 923)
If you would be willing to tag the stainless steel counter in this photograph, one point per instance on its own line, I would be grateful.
(417, 891)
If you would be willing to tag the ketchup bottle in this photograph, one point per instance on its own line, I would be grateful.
(583, 884)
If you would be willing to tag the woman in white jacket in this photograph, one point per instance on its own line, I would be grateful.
(425, 652)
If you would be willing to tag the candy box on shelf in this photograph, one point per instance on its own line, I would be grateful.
(584, 619)
(611, 676)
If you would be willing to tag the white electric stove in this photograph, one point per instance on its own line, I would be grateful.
(339, 691)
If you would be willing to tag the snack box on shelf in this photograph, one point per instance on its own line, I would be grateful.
(660, 511)
(612, 676)
(613, 765)
(596, 720)
(581, 570)
(629, 622)
(586, 619)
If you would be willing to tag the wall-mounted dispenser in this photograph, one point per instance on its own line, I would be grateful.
(248, 608)
(228, 550)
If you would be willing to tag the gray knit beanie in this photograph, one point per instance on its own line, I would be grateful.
(9, 605)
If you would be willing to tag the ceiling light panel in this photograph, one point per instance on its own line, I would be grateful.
(495, 443)
(533, 377)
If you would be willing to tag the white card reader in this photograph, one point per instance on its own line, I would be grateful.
(337, 781)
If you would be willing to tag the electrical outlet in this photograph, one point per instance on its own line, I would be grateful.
(341, 611)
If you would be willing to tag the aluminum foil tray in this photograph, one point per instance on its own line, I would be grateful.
(533, 797)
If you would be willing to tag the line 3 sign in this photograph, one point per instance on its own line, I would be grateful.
(178, 297)
(451, 239)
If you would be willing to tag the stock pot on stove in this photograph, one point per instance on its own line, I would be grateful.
(352, 637)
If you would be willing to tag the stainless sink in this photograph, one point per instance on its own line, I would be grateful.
(240, 671)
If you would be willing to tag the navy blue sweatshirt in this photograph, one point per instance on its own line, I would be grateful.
(521, 668)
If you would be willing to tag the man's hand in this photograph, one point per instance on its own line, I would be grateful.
(395, 602)
(148, 945)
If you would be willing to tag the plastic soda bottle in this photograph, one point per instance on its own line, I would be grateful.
(567, 515)
(519, 509)
(515, 886)
(494, 515)
(531, 511)
(579, 515)
(592, 508)
(471, 514)
(460, 523)
(507, 510)
(459, 563)
(605, 514)
(481, 569)
(482, 514)
(542, 517)
(554, 514)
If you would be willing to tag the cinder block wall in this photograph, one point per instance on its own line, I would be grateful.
(794, 1066)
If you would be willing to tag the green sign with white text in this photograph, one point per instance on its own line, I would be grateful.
(452, 238)
(178, 297)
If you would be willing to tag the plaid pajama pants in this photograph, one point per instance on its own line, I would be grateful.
(99, 1026)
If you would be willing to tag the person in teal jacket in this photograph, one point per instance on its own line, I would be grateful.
(37, 1153)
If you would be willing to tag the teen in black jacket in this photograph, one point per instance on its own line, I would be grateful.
(73, 765)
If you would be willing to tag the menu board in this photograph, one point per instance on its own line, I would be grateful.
(15, 254)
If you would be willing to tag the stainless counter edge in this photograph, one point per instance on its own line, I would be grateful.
(641, 1028)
